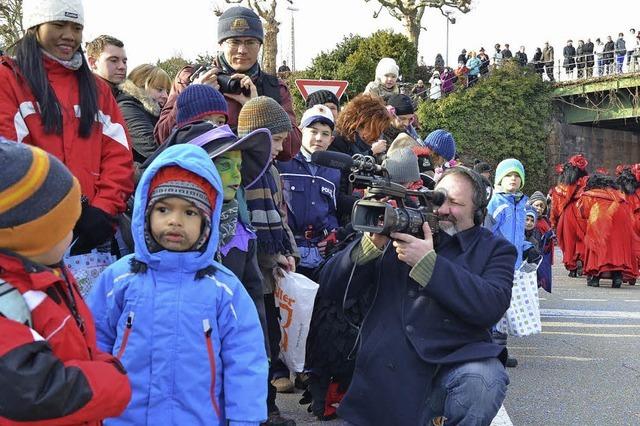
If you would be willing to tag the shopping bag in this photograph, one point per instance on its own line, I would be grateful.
(295, 295)
(87, 267)
(523, 316)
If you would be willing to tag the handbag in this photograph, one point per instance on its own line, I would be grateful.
(523, 316)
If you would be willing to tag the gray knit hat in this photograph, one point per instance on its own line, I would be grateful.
(239, 22)
(263, 112)
(402, 166)
(537, 196)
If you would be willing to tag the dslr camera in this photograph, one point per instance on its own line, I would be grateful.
(227, 84)
(375, 214)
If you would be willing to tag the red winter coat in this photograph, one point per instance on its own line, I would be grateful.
(53, 373)
(103, 163)
(567, 222)
(608, 241)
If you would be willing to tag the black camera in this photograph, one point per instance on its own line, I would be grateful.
(375, 214)
(227, 84)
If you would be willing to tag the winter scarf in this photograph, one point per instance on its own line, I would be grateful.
(228, 222)
(73, 64)
(253, 72)
(265, 216)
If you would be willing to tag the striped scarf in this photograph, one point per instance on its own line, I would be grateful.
(265, 216)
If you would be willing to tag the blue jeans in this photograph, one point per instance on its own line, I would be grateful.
(468, 394)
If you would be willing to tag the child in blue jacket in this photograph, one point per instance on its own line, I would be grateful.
(182, 324)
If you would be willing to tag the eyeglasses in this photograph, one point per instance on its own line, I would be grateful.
(235, 43)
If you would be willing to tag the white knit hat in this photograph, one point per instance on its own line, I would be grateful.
(36, 12)
(386, 66)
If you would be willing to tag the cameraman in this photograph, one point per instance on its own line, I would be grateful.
(240, 35)
(426, 352)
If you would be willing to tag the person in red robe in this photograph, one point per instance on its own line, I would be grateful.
(608, 243)
(629, 181)
(564, 216)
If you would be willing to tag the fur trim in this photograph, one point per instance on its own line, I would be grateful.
(150, 105)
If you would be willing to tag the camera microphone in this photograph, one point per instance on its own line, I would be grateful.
(335, 160)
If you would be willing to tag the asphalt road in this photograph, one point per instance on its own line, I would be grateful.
(583, 369)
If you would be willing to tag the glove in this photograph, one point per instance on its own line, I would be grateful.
(532, 255)
(94, 227)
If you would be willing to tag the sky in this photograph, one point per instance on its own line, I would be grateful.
(153, 30)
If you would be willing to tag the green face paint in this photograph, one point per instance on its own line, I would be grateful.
(228, 165)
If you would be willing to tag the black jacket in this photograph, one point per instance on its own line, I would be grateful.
(141, 115)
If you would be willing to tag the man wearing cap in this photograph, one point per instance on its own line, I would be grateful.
(240, 36)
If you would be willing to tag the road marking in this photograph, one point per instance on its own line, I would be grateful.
(587, 300)
(569, 333)
(567, 358)
(568, 313)
(632, 300)
(502, 418)
(586, 325)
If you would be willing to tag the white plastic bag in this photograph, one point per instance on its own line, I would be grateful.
(295, 295)
(523, 316)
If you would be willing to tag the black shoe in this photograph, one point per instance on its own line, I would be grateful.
(572, 273)
(511, 362)
(275, 419)
(616, 279)
(593, 282)
(579, 268)
(632, 282)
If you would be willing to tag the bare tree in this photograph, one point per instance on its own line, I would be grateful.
(410, 12)
(10, 22)
(265, 9)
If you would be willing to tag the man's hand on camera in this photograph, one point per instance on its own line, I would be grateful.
(411, 249)
(210, 78)
(245, 83)
(379, 147)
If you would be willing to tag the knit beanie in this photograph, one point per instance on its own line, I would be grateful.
(263, 112)
(239, 22)
(174, 181)
(36, 12)
(402, 104)
(323, 97)
(538, 196)
(39, 199)
(386, 66)
(402, 165)
(530, 211)
(403, 140)
(507, 166)
(197, 101)
(442, 143)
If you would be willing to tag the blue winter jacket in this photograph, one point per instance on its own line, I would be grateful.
(509, 217)
(193, 347)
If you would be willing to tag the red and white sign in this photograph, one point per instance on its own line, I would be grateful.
(307, 87)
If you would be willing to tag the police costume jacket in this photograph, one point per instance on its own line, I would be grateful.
(438, 312)
(182, 324)
(51, 371)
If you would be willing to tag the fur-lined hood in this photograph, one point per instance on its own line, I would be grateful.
(131, 90)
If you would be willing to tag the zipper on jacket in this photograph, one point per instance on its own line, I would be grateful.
(212, 364)
(127, 331)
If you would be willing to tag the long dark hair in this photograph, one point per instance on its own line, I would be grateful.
(30, 63)
(570, 174)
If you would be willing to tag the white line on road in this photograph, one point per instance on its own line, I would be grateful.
(587, 300)
(568, 313)
(569, 333)
(566, 358)
(632, 300)
(586, 325)
(502, 418)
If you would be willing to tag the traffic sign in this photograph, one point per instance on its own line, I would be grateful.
(307, 87)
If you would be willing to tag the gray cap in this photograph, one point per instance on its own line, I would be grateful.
(402, 166)
(239, 22)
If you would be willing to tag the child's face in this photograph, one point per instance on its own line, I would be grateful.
(529, 223)
(316, 137)
(334, 110)
(539, 206)
(217, 119)
(511, 182)
(56, 253)
(389, 80)
(175, 223)
(276, 143)
(228, 166)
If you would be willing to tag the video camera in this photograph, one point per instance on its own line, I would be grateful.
(227, 84)
(374, 213)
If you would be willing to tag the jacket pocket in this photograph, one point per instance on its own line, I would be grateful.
(127, 331)
(206, 325)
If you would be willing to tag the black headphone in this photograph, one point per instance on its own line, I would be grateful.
(482, 191)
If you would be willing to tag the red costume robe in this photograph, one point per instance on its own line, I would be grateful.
(569, 226)
(608, 240)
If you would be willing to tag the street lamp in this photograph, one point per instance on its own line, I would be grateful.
(292, 9)
(450, 19)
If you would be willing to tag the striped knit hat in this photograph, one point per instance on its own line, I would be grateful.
(39, 199)
(263, 113)
(174, 181)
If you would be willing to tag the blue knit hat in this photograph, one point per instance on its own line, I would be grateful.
(197, 101)
(507, 166)
(239, 22)
(531, 211)
(442, 143)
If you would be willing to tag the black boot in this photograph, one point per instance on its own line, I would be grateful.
(511, 362)
(593, 281)
(616, 278)
(572, 273)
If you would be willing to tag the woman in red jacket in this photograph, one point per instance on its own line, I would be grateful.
(49, 98)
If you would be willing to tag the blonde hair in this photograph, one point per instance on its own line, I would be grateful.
(146, 75)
